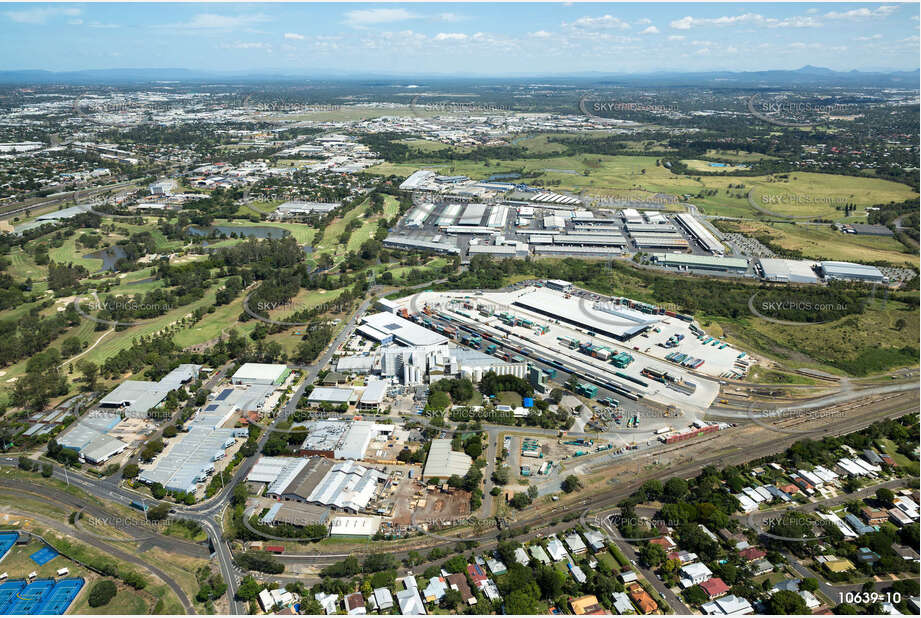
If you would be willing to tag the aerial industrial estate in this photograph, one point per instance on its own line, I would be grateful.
(276, 342)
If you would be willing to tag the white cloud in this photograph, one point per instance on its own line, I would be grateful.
(643, 22)
(372, 17)
(40, 16)
(449, 17)
(99, 24)
(863, 13)
(650, 30)
(245, 45)
(703, 51)
(293, 36)
(686, 23)
(214, 21)
(451, 36)
(541, 34)
(676, 37)
(605, 22)
(870, 38)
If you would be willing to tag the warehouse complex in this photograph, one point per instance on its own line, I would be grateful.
(443, 463)
(190, 457)
(260, 373)
(137, 397)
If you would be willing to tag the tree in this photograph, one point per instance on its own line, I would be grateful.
(886, 496)
(695, 595)
(501, 475)
(675, 488)
(652, 555)
(90, 371)
(170, 431)
(451, 599)
(249, 589)
(520, 603)
(809, 584)
(102, 592)
(473, 446)
(571, 483)
(47, 470)
(159, 512)
(130, 471)
(786, 602)
(157, 491)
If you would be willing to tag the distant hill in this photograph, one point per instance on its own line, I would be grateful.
(807, 76)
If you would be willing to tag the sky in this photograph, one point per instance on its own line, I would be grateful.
(459, 39)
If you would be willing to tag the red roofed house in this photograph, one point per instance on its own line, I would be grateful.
(750, 554)
(476, 574)
(714, 587)
(664, 542)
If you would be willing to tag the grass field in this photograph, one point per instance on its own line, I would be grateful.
(811, 194)
(889, 447)
(706, 166)
(822, 242)
(847, 340)
(127, 602)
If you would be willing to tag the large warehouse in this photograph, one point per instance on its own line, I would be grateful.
(850, 271)
(443, 463)
(620, 323)
(701, 262)
(403, 331)
(260, 373)
(787, 271)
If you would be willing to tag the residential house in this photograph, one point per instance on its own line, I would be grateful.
(521, 556)
(628, 576)
(665, 542)
(622, 604)
(693, 574)
(873, 517)
(538, 553)
(496, 567)
(409, 600)
(576, 544)
(714, 587)
(729, 605)
(641, 599)
(587, 606)
(595, 540)
(684, 557)
(752, 553)
(383, 600)
(354, 604)
(556, 550)
(435, 590)
(457, 581)
(327, 601)
(577, 573)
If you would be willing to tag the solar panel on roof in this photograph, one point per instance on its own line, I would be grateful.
(392, 326)
(212, 407)
(224, 394)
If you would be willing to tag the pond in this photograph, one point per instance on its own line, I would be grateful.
(109, 256)
(247, 231)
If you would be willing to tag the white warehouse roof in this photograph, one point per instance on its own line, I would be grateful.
(443, 462)
(404, 331)
(260, 372)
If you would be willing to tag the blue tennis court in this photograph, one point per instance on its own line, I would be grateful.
(44, 556)
(26, 600)
(56, 602)
(8, 591)
(7, 540)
